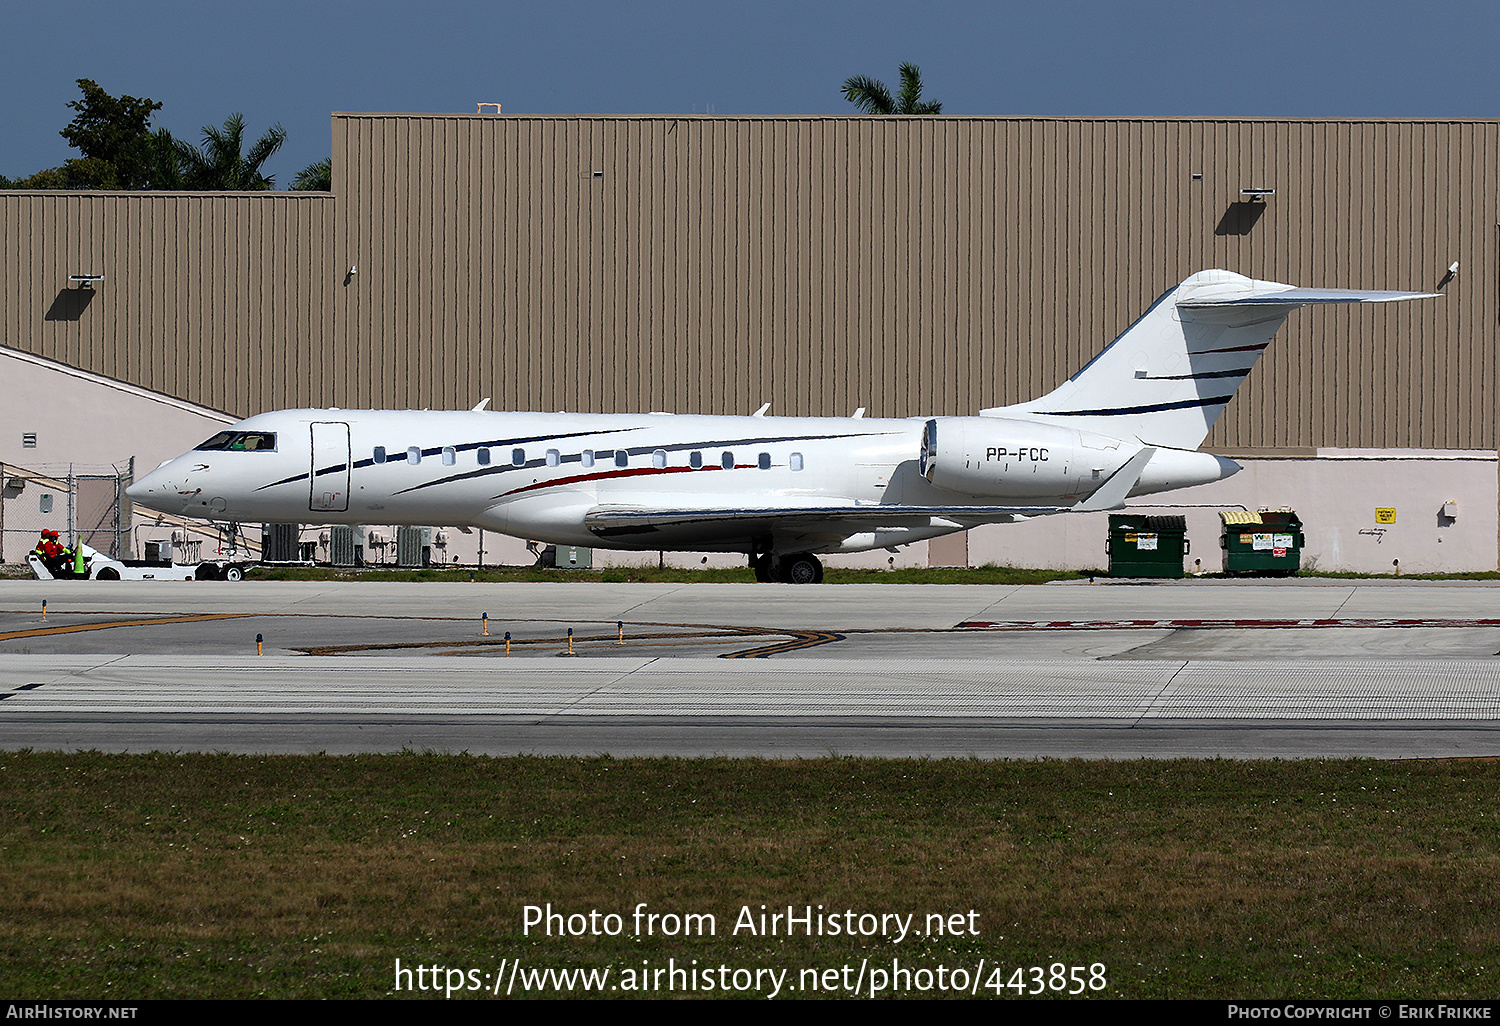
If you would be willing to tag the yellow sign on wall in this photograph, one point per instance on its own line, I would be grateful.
(1385, 516)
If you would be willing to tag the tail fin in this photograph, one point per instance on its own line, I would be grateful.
(1166, 380)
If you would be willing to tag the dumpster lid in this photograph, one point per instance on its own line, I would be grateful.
(1167, 523)
(1285, 517)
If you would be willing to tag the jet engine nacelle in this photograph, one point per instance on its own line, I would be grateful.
(995, 456)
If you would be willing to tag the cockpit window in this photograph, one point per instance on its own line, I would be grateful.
(240, 441)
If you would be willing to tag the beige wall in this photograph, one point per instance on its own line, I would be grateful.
(1335, 494)
(86, 419)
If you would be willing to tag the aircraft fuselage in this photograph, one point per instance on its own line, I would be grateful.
(539, 475)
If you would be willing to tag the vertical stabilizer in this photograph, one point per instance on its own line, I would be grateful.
(1166, 380)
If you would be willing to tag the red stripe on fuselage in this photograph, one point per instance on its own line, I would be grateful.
(628, 472)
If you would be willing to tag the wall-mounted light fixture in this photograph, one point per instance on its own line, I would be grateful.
(84, 281)
(1256, 194)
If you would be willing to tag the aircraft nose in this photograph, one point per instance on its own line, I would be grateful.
(155, 489)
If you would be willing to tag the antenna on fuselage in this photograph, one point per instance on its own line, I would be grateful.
(482, 404)
(762, 411)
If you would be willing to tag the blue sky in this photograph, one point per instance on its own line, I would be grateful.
(294, 63)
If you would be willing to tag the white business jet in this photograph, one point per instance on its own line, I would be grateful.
(783, 490)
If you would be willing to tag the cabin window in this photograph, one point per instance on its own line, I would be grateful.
(518, 457)
(449, 456)
(587, 459)
(659, 459)
(765, 461)
(380, 454)
(622, 458)
(413, 455)
(726, 460)
(483, 456)
(553, 457)
(796, 461)
(695, 460)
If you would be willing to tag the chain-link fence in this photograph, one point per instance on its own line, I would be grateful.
(85, 504)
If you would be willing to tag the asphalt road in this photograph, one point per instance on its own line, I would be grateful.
(1241, 670)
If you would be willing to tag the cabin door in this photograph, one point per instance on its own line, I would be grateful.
(330, 467)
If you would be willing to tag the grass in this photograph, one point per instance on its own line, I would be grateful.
(672, 575)
(988, 574)
(163, 876)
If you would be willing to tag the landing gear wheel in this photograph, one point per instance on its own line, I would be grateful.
(800, 568)
(764, 570)
(233, 573)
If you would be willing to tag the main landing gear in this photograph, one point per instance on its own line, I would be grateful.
(796, 568)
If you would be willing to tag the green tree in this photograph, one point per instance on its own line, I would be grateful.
(872, 97)
(79, 173)
(113, 133)
(221, 164)
(315, 177)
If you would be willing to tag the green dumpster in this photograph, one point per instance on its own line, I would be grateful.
(1142, 546)
(1267, 541)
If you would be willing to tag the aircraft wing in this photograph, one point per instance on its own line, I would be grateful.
(618, 520)
(606, 521)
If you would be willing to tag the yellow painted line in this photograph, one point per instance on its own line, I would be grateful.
(799, 641)
(674, 638)
(75, 628)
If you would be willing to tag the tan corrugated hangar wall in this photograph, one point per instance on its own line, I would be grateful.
(910, 266)
(218, 298)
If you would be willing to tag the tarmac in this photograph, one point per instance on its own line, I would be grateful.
(1200, 668)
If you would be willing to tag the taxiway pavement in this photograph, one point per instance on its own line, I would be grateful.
(1198, 668)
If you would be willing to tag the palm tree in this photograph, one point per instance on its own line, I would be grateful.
(162, 161)
(872, 97)
(219, 164)
(317, 176)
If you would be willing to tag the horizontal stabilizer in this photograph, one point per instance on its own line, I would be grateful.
(1303, 297)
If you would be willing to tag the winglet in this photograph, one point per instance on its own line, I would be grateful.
(1111, 494)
